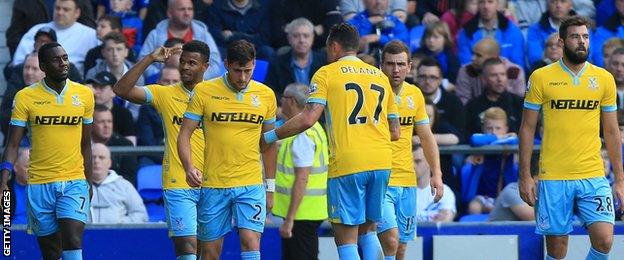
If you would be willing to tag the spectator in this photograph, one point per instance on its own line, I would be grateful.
(376, 28)
(180, 24)
(609, 46)
(322, 13)
(538, 33)
(28, 13)
(459, 15)
(437, 43)
(469, 81)
(19, 187)
(489, 23)
(613, 27)
(552, 52)
(231, 20)
(30, 74)
(606, 8)
(496, 171)
(138, 6)
(103, 133)
(132, 25)
(152, 73)
(75, 37)
(527, 12)
(616, 67)
(301, 181)
(350, 8)
(495, 95)
(300, 62)
(427, 210)
(105, 24)
(585, 8)
(449, 107)
(432, 10)
(114, 199)
(510, 207)
(115, 52)
(102, 84)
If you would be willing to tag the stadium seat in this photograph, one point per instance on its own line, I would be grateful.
(155, 212)
(470, 176)
(149, 183)
(474, 218)
(260, 71)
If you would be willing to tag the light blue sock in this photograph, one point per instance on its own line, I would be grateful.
(596, 255)
(187, 257)
(348, 252)
(250, 255)
(370, 245)
(75, 254)
(390, 257)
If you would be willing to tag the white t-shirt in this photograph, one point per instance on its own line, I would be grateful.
(426, 209)
(303, 151)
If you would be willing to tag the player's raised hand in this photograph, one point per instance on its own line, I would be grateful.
(527, 190)
(161, 54)
(194, 177)
(618, 194)
(437, 187)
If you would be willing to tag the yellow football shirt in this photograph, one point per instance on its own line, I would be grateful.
(571, 105)
(232, 122)
(411, 104)
(171, 102)
(55, 127)
(358, 101)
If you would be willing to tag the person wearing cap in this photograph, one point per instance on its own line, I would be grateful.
(102, 84)
(76, 38)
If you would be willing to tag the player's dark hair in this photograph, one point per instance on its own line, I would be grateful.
(395, 47)
(491, 62)
(241, 52)
(574, 20)
(116, 37)
(430, 62)
(115, 21)
(198, 47)
(43, 51)
(346, 35)
(172, 42)
(101, 108)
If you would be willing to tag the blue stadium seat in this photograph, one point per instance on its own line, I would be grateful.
(474, 218)
(155, 212)
(149, 183)
(470, 176)
(260, 71)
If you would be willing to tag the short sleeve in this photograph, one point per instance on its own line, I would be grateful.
(19, 116)
(195, 109)
(510, 196)
(303, 151)
(271, 114)
(87, 117)
(533, 99)
(318, 87)
(151, 95)
(609, 96)
(421, 113)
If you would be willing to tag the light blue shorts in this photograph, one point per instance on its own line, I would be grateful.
(49, 202)
(353, 199)
(219, 206)
(181, 211)
(559, 200)
(399, 211)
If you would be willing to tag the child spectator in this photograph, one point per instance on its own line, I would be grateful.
(132, 25)
(437, 43)
(138, 6)
(105, 25)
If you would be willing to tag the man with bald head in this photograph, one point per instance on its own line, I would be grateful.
(469, 83)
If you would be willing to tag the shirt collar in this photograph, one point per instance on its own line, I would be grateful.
(232, 88)
(350, 58)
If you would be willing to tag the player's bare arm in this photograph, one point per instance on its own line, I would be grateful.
(302, 121)
(395, 128)
(10, 154)
(432, 155)
(269, 161)
(85, 150)
(614, 149)
(193, 175)
(126, 86)
(526, 184)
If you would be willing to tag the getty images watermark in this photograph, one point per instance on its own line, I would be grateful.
(6, 223)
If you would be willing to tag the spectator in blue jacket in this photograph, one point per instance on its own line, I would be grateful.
(231, 20)
(613, 27)
(490, 23)
(132, 25)
(377, 28)
(549, 23)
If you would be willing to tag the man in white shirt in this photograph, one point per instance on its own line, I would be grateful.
(427, 210)
(76, 38)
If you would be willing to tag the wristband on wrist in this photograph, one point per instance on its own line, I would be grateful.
(270, 185)
(270, 136)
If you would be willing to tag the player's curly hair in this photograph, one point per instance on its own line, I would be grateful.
(241, 52)
(198, 47)
(574, 20)
(346, 35)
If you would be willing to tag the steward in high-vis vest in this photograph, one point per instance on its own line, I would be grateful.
(301, 182)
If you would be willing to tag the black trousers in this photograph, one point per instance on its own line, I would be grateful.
(303, 245)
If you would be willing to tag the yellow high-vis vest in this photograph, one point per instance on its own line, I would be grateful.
(314, 203)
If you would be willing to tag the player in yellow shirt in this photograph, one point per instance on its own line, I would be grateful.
(399, 209)
(361, 120)
(58, 114)
(234, 111)
(181, 200)
(575, 97)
